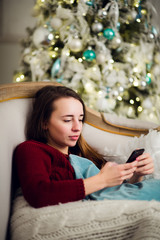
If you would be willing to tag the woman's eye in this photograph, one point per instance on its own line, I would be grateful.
(67, 120)
(81, 120)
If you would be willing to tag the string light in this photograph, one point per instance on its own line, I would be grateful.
(131, 101)
(20, 78)
(119, 98)
(111, 61)
(139, 109)
(138, 20)
(80, 60)
(135, 83)
(50, 36)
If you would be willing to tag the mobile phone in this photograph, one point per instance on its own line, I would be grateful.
(135, 154)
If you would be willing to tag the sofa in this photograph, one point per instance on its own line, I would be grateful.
(113, 136)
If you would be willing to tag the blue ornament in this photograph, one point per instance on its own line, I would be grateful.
(89, 55)
(89, 3)
(148, 66)
(55, 68)
(118, 25)
(59, 80)
(148, 79)
(154, 31)
(109, 33)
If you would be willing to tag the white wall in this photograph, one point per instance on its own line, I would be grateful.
(15, 16)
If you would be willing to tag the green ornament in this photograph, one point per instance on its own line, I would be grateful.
(109, 33)
(89, 3)
(89, 55)
(148, 66)
(148, 79)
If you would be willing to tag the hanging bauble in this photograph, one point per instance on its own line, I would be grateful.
(148, 66)
(59, 80)
(56, 23)
(102, 13)
(115, 43)
(89, 3)
(131, 16)
(151, 36)
(148, 79)
(109, 33)
(89, 55)
(55, 68)
(76, 45)
(97, 27)
(118, 25)
(154, 31)
(100, 58)
(40, 35)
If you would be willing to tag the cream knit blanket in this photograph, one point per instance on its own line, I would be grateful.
(109, 220)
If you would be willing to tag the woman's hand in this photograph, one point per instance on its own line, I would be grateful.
(114, 174)
(110, 175)
(145, 166)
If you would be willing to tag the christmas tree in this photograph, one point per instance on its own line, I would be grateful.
(108, 51)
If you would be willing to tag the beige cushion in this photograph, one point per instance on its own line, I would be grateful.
(127, 123)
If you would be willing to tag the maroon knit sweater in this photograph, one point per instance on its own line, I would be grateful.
(46, 175)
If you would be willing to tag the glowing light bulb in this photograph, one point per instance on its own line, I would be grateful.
(140, 109)
(119, 98)
(50, 36)
(111, 61)
(135, 83)
(138, 20)
(18, 79)
(89, 87)
(135, 69)
(131, 101)
(80, 60)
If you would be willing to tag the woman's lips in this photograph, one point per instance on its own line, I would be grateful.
(75, 138)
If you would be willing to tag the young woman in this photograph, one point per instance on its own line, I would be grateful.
(53, 133)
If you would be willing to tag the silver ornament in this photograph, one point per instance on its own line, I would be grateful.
(56, 23)
(97, 27)
(101, 58)
(40, 35)
(115, 43)
(76, 45)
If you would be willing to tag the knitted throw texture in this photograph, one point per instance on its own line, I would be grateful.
(106, 219)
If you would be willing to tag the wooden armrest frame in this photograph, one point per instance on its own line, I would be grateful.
(28, 89)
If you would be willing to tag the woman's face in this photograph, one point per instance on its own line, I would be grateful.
(65, 124)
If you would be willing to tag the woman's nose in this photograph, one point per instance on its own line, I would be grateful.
(76, 125)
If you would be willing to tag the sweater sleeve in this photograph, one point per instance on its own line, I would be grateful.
(37, 186)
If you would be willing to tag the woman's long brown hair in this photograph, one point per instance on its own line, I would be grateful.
(43, 107)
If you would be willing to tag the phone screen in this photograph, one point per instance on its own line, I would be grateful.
(135, 154)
